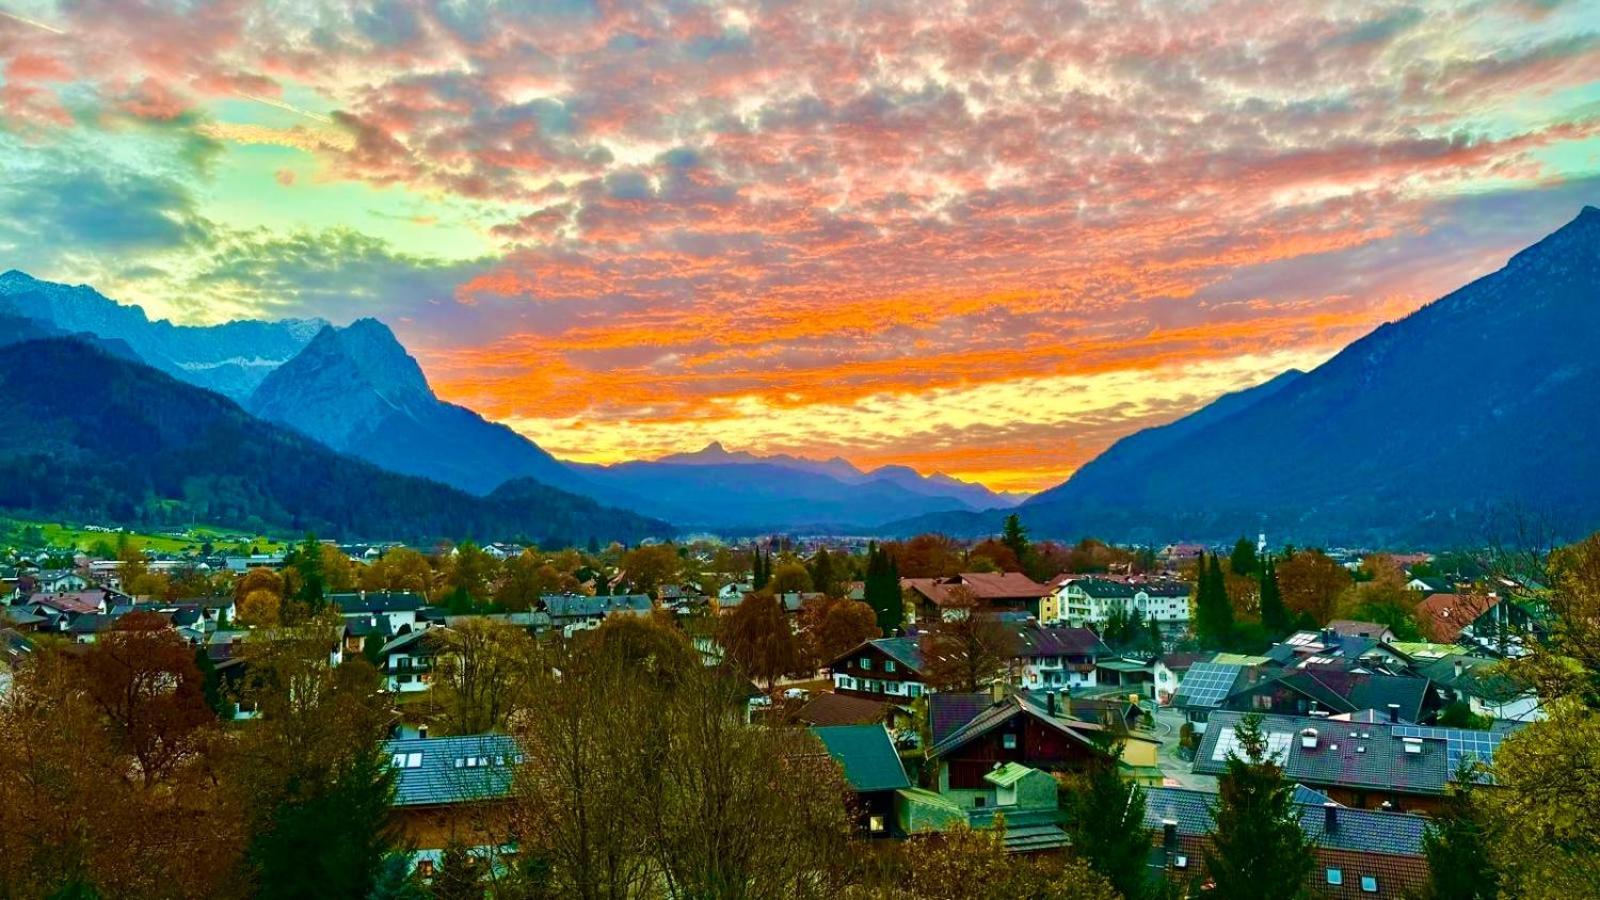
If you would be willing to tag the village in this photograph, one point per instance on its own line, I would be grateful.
(968, 697)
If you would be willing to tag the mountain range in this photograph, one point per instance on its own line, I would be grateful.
(1479, 408)
(88, 435)
(359, 392)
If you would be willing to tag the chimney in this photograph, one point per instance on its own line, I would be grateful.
(1066, 702)
(422, 732)
(1169, 834)
(1459, 668)
(1050, 702)
(1394, 712)
(1330, 817)
(997, 691)
(1308, 739)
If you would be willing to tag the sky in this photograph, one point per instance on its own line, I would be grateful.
(983, 238)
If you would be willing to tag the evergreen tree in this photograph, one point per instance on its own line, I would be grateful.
(1015, 537)
(1213, 613)
(762, 568)
(308, 560)
(1274, 616)
(1243, 561)
(1258, 850)
(883, 590)
(1156, 641)
(211, 683)
(822, 577)
(1457, 844)
(1106, 823)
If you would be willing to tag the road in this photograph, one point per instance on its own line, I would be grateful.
(1174, 768)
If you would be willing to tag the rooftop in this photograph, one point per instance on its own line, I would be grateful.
(451, 770)
(867, 756)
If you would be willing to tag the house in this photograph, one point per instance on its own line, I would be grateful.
(1167, 673)
(1058, 657)
(1365, 765)
(575, 612)
(1487, 689)
(972, 733)
(993, 590)
(402, 608)
(450, 791)
(242, 564)
(1207, 685)
(1431, 584)
(1027, 798)
(58, 581)
(1328, 647)
(844, 709)
(407, 661)
(1354, 628)
(1330, 689)
(1359, 853)
(872, 769)
(881, 669)
(1486, 621)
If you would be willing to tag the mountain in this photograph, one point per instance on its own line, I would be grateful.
(230, 359)
(738, 491)
(88, 435)
(1440, 427)
(357, 390)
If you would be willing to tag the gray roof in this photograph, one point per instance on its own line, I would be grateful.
(1359, 830)
(583, 606)
(866, 754)
(1003, 711)
(378, 602)
(1104, 588)
(463, 769)
(1354, 754)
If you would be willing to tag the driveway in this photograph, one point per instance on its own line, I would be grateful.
(1174, 768)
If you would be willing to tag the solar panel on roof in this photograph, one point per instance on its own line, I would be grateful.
(1207, 684)
(1458, 743)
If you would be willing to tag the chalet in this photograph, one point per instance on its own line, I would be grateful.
(58, 581)
(1091, 600)
(992, 590)
(1359, 853)
(881, 669)
(407, 661)
(972, 733)
(1366, 765)
(872, 769)
(1484, 685)
(1486, 621)
(1053, 658)
(450, 791)
(402, 608)
(575, 612)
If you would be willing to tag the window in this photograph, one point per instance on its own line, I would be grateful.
(460, 762)
(888, 665)
(1335, 876)
(980, 802)
(875, 824)
(1180, 862)
(425, 868)
(1369, 884)
(413, 760)
(1008, 741)
(865, 663)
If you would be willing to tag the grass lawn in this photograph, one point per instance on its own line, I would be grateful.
(59, 535)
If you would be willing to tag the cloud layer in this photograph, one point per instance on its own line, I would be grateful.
(986, 238)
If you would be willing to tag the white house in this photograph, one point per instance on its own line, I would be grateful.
(1091, 601)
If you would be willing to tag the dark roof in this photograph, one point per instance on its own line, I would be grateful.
(842, 709)
(452, 770)
(903, 650)
(1038, 640)
(378, 602)
(1338, 691)
(1102, 588)
(1180, 662)
(1207, 684)
(867, 755)
(1373, 758)
(1479, 677)
(1005, 710)
(948, 711)
(378, 625)
(583, 606)
(1360, 830)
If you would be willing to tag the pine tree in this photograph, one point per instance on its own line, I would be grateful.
(1243, 561)
(1259, 851)
(308, 560)
(1015, 537)
(762, 568)
(1457, 844)
(883, 590)
(1274, 616)
(1213, 612)
(1106, 823)
(822, 578)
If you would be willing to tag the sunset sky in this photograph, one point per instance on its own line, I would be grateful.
(985, 238)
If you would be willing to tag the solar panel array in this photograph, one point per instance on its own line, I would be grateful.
(1206, 684)
(1458, 742)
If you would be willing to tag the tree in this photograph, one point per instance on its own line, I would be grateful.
(469, 572)
(460, 875)
(833, 625)
(1311, 583)
(1015, 537)
(484, 667)
(993, 556)
(1106, 823)
(1243, 559)
(962, 863)
(307, 562)
(1457, 843)
(763, 568)
(1274, 616)
(966, 649)
(1258, 850)
(650, 567)
(822, 575)
(790, 578)
(757, 638)
(926, 556)
(261, 609)
(142, 676)
(882, 590)
(1213, 617)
